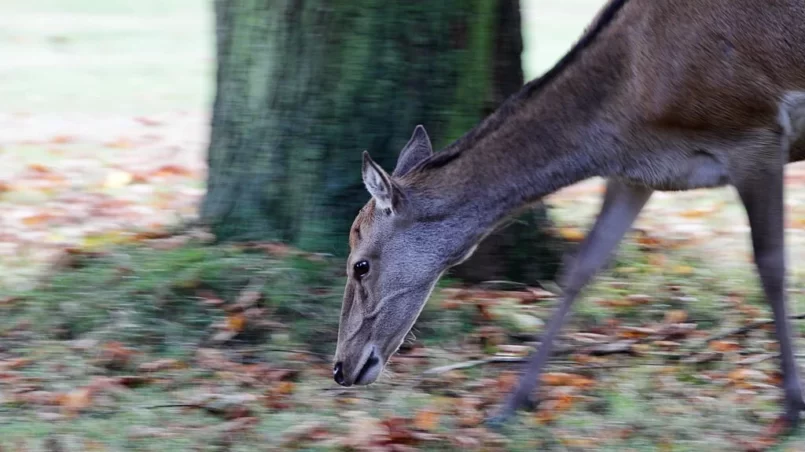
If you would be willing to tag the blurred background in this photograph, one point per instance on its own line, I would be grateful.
(177, 179)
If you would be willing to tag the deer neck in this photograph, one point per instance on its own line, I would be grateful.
(534, 145)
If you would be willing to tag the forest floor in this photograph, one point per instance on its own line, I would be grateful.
(117, 334)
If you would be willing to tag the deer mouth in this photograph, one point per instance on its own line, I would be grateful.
(370, 370)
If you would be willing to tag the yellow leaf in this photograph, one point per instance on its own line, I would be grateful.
(683, 270)
(285, 387)
(117, 179)
(695, 213)
(572, 234)
(236, 322)
(106, 239)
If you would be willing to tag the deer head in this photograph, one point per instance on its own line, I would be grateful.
(399, 247)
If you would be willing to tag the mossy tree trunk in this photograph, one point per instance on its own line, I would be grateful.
(303, 86)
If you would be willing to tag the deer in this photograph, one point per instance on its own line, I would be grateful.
(656, 95)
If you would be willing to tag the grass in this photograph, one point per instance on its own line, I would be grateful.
(114, 57)
(155, 298)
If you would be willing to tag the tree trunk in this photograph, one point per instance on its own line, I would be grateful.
(303, 86)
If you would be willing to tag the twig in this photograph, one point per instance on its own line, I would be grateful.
(171, 405)
(517, 359)
(474, 363)
(747, 328)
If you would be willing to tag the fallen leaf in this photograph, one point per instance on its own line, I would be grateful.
(565, 379)
(676, 316)
(572, 234)
(37, 219)
(62, 139)
(120, 143)
(724, 346)
(172, 170)
(115, 356)
(426, 419)
(76, 401)
(236, 322)
(683, 270)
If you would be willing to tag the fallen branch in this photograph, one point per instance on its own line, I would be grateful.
(746, 328)
(516, 359)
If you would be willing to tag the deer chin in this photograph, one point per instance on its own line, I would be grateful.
(370, 370)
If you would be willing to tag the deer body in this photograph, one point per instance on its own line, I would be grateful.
(657, 95)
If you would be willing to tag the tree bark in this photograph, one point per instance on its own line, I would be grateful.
(303, 86)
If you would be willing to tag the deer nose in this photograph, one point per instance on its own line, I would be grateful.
(338, 374)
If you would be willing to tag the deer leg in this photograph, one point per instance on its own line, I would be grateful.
(761, 192)
(622, 203)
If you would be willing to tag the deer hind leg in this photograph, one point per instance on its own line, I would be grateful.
(762, 196)
(622, 203)
(761, 190)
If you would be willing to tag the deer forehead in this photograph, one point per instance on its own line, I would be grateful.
(362, 222)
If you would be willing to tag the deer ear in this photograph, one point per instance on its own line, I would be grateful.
(379, 184)
(417, 149)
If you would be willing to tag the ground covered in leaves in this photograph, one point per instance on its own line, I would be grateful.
(175, 343)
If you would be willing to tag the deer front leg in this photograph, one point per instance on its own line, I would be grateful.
(761, 191)
(622, 203)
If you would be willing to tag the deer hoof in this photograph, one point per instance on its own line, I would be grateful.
(792, 414)
(496, 422)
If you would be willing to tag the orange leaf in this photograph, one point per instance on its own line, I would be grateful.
(565, 379)
(39, 168)
(285, 387)
(115, 356)
(725, 346)
(76, 400)
(120, 143)
(676, 316)
(695, 213)
(37, 219)
(426, 419)
(572, 234)
(62, 139)
(172, 170)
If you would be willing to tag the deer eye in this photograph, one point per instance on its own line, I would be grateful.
(361, 268)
